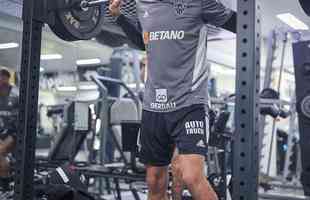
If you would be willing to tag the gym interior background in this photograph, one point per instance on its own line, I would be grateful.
(89, 109)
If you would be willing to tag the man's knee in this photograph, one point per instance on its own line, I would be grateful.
(192, 173)
(157, 181)
(190, 178)
(190, 168)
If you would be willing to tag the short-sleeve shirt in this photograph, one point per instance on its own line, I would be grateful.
(175, 35)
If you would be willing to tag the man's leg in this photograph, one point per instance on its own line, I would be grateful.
(157, 181)
(190, 131)
(177, 183)
(6, 146)
(192, 173)
(155, 151)
(4, 167)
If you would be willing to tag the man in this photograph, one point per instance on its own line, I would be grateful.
(175, 100)
(8, 119)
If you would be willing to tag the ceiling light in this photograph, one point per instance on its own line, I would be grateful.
(51, 57)
(222, 70)
(88, 61)
(134, 85)
(66, 89)
(88, 87)
(9, 45)
(292, 21)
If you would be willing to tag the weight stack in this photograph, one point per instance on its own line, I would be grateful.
(301, 52)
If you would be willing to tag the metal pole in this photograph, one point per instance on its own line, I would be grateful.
(29, 87)
(86, 4)
(274, 120)
(136, 69)
(272, 43)
(290, 138)
(245, 152)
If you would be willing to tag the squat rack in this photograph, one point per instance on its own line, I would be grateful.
(246, 141)
(245, 170)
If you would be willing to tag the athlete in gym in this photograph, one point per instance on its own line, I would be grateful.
(8, 109)
(175, 100)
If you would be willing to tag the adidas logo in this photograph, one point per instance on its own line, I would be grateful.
(146, 14)
(201, 144)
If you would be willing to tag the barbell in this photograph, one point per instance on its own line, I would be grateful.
(83, 19)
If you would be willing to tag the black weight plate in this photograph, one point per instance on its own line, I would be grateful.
(76, 24)
(305, 107)
(305, 4)
(59, 29)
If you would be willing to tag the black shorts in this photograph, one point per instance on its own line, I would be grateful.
(186, 129)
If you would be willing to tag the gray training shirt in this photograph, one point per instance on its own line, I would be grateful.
(175, 36)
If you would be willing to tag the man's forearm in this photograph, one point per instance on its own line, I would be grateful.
(231, 24)
(132, 31)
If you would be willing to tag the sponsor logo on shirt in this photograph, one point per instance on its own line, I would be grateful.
(163, 106)
(194, 128)
(161, 95)
(146, 37)
(180, 6)
(166, 35)
(161, 100)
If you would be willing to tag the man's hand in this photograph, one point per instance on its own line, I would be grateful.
(114, 8)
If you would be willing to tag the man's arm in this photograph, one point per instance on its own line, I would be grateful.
(231, 24)
(215, 13)
(132, 30)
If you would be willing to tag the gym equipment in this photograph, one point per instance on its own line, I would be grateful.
(70, 139)
(272, 110)
(63, 183)
(306, 6)
(65, 149)
(272, 106)
(219, 151)
(269, 93)
(121, 120)
(279, 196)
(301, 53)
(75, 19)
(8, 115)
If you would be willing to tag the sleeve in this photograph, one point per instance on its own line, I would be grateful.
(215, 13)
(132, 30)
(231, 24)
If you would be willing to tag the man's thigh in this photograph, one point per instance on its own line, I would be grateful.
(192, 163)
(191, 130)
(155, 144)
